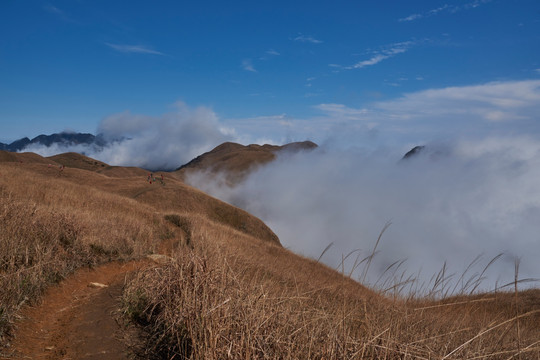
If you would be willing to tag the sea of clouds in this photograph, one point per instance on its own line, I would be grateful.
(162, 142)
(472, 196)
(454, 204)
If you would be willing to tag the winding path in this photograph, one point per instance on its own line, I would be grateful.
(77, 320)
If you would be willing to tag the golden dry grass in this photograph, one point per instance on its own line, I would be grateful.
(51, 226)
(236, 161)
(54, 221)
(232, 291)
(232, 296)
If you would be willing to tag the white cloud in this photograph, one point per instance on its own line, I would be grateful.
(248, 65)
(372, 61)
(382, 54)
(340, 111)
(273, 52)
(307, 39)
(497, 108)
(478, 197)
(153, 142)
(438, 10)
(452, 9)
(135, 49)
(411, 17)
(508, 101)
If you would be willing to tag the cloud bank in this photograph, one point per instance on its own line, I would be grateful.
(172, 139)
(451, 204)
(475, 192)
(152, 142)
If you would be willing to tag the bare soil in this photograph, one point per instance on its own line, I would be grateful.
(76, 320)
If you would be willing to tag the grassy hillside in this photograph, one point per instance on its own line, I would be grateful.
(230, 289)
(247, 299)
(237, 160)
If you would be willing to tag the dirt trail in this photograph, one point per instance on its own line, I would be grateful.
(75, 320)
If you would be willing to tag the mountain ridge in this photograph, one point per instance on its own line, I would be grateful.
(66, 138)
(236, 160)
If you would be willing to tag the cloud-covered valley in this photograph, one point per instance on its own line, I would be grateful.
(449, 204)
(473, 192)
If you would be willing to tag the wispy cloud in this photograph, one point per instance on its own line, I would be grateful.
(133, 49)
(248, 65)
(452, 9)
(51, 9)
(342, 112)
(307, 39)
(493, 107)
(411, 17)
(269, 54)
(503, 102)
(496, 108)
(380, 55)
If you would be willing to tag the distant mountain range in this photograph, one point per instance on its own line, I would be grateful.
(234, 158)
(63, 138)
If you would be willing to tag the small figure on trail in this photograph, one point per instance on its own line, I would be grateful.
(60, 169)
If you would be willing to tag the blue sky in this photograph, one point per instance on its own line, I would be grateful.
(178, 78)
(277, 71)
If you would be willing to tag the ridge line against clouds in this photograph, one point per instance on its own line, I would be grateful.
(134, 49)
(444, 113)
(452, 9)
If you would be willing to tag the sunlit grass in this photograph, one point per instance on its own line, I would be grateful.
(228, 293)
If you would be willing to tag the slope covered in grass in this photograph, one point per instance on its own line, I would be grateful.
(231, 296)
(55, 220)
(231, 290)
(236, 160)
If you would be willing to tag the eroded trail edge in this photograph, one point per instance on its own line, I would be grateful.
(78, 318)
